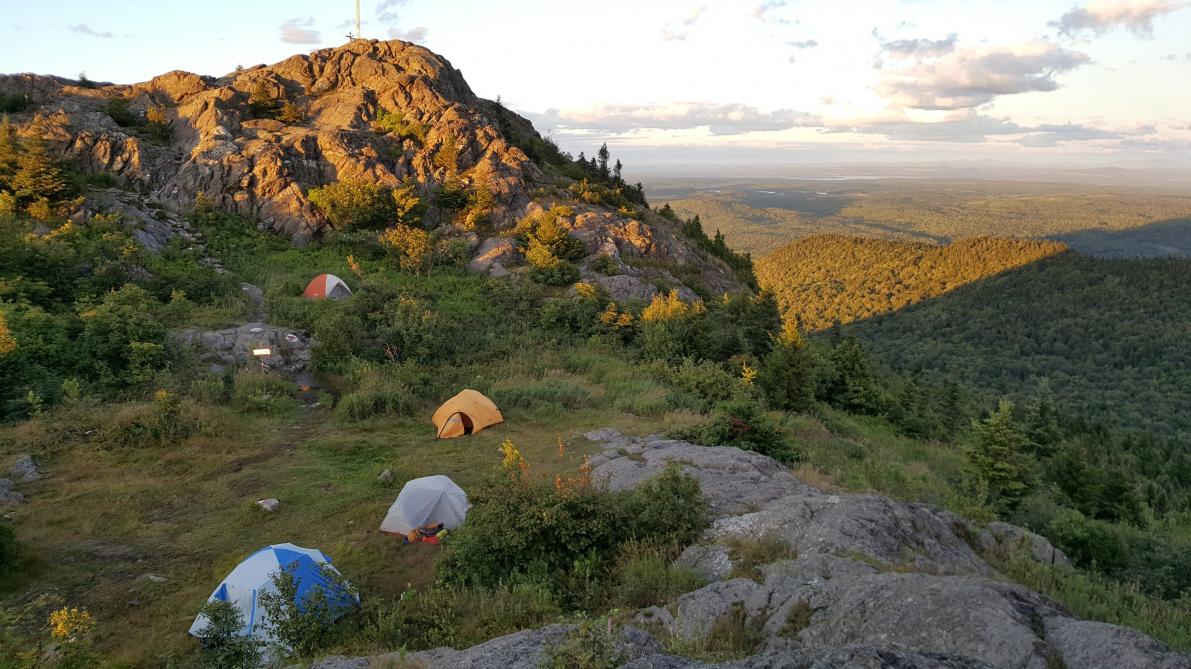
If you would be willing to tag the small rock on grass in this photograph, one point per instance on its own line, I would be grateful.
(271, 504)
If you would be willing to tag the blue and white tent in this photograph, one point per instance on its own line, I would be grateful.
(253, 577)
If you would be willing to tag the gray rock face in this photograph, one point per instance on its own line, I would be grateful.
(24, 470)
(494, 256)
(624, 287)
(733, 481)
(233, 346)
(894, 533)
(998, 538)
(1093, 645)
(148, 222)
(876, 584)
(8, 493)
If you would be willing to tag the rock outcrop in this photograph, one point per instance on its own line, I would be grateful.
(873, 584)
(223, 150)
(289, 350)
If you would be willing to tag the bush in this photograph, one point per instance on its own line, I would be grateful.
(591, 645)
(646, 577)
(744, 423)
(704, 379)
(167, 419)
(223, 645)
(257, 391)
(377, 395)
(566, 534)
(461, 617)
(396, 123)
(549, 393)
(303, 624)
(451, 196)
(355, 204)
(117, 109)
(161, 128)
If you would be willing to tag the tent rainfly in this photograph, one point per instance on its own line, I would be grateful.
(254, 576)
(426, 502)
(327, 287)
(466, 413)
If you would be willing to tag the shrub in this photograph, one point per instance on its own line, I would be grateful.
(210, 389)
(549, 393)
(257, 391)
(646, 577)
(167, 419)
(303, 624)
(355, 204)
(413, 248)
(604, 264)
(451, 196)
(161, 128)
(396, 123)
(12, 104)
(291, 114)
(591, 645)
(671, 329)
(461, 617)
(223, 645)
(377, 395)
(744, 423)
(565, 534)
(704, 379)
(117, 109)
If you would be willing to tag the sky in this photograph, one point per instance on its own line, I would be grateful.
(671, 82)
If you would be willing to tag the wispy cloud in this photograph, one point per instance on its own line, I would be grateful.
(299, 31)
(386, 12)
(920, 46)
(415, 34)
(84, 29)
(678, 30)
(719, 118)
(968, 78)
(764, 12)
(1102, 16)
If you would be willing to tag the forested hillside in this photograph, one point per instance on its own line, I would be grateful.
(1110, 335)
(758, 216)
(828, 278)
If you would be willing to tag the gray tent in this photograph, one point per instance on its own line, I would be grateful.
(426, 502)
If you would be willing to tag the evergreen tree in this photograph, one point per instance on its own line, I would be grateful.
(853, 386)
(9, 152)
(38, 176)
(997, 455)
(787, 373)
(602, 168)
(616, 171)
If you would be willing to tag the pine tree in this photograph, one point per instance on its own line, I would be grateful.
(9, 152)
(38, 176)
(787, 373)
(602, 168)
(616, 171)
(997, 455)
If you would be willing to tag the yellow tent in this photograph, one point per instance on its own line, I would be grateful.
(466, 413)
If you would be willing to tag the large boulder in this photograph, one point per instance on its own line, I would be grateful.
(289, 349)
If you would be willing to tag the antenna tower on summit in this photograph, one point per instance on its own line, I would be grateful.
(359, 33)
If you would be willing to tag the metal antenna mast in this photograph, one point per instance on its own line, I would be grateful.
(359, 33)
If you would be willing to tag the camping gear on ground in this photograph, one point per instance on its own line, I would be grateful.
(429, 502)
(327, 287)
(243, 587)
(466, 413)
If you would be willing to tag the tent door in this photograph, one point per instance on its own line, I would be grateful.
(467, 424)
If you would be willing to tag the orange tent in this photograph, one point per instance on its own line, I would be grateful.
(466, 413)
(327, 286)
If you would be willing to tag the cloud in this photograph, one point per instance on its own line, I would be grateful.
(803, 44)
(680, 29)
(719, 118)
(764, 12)
(1101, 16)
(386, 12)
(976, 128)
(415, 34)
(298, 31)
(903, 48)
(84, 29)
(968, 78)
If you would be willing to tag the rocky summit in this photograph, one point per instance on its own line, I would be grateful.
(864, 582)
(223, 152)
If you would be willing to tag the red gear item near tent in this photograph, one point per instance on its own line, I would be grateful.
(327, 287)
